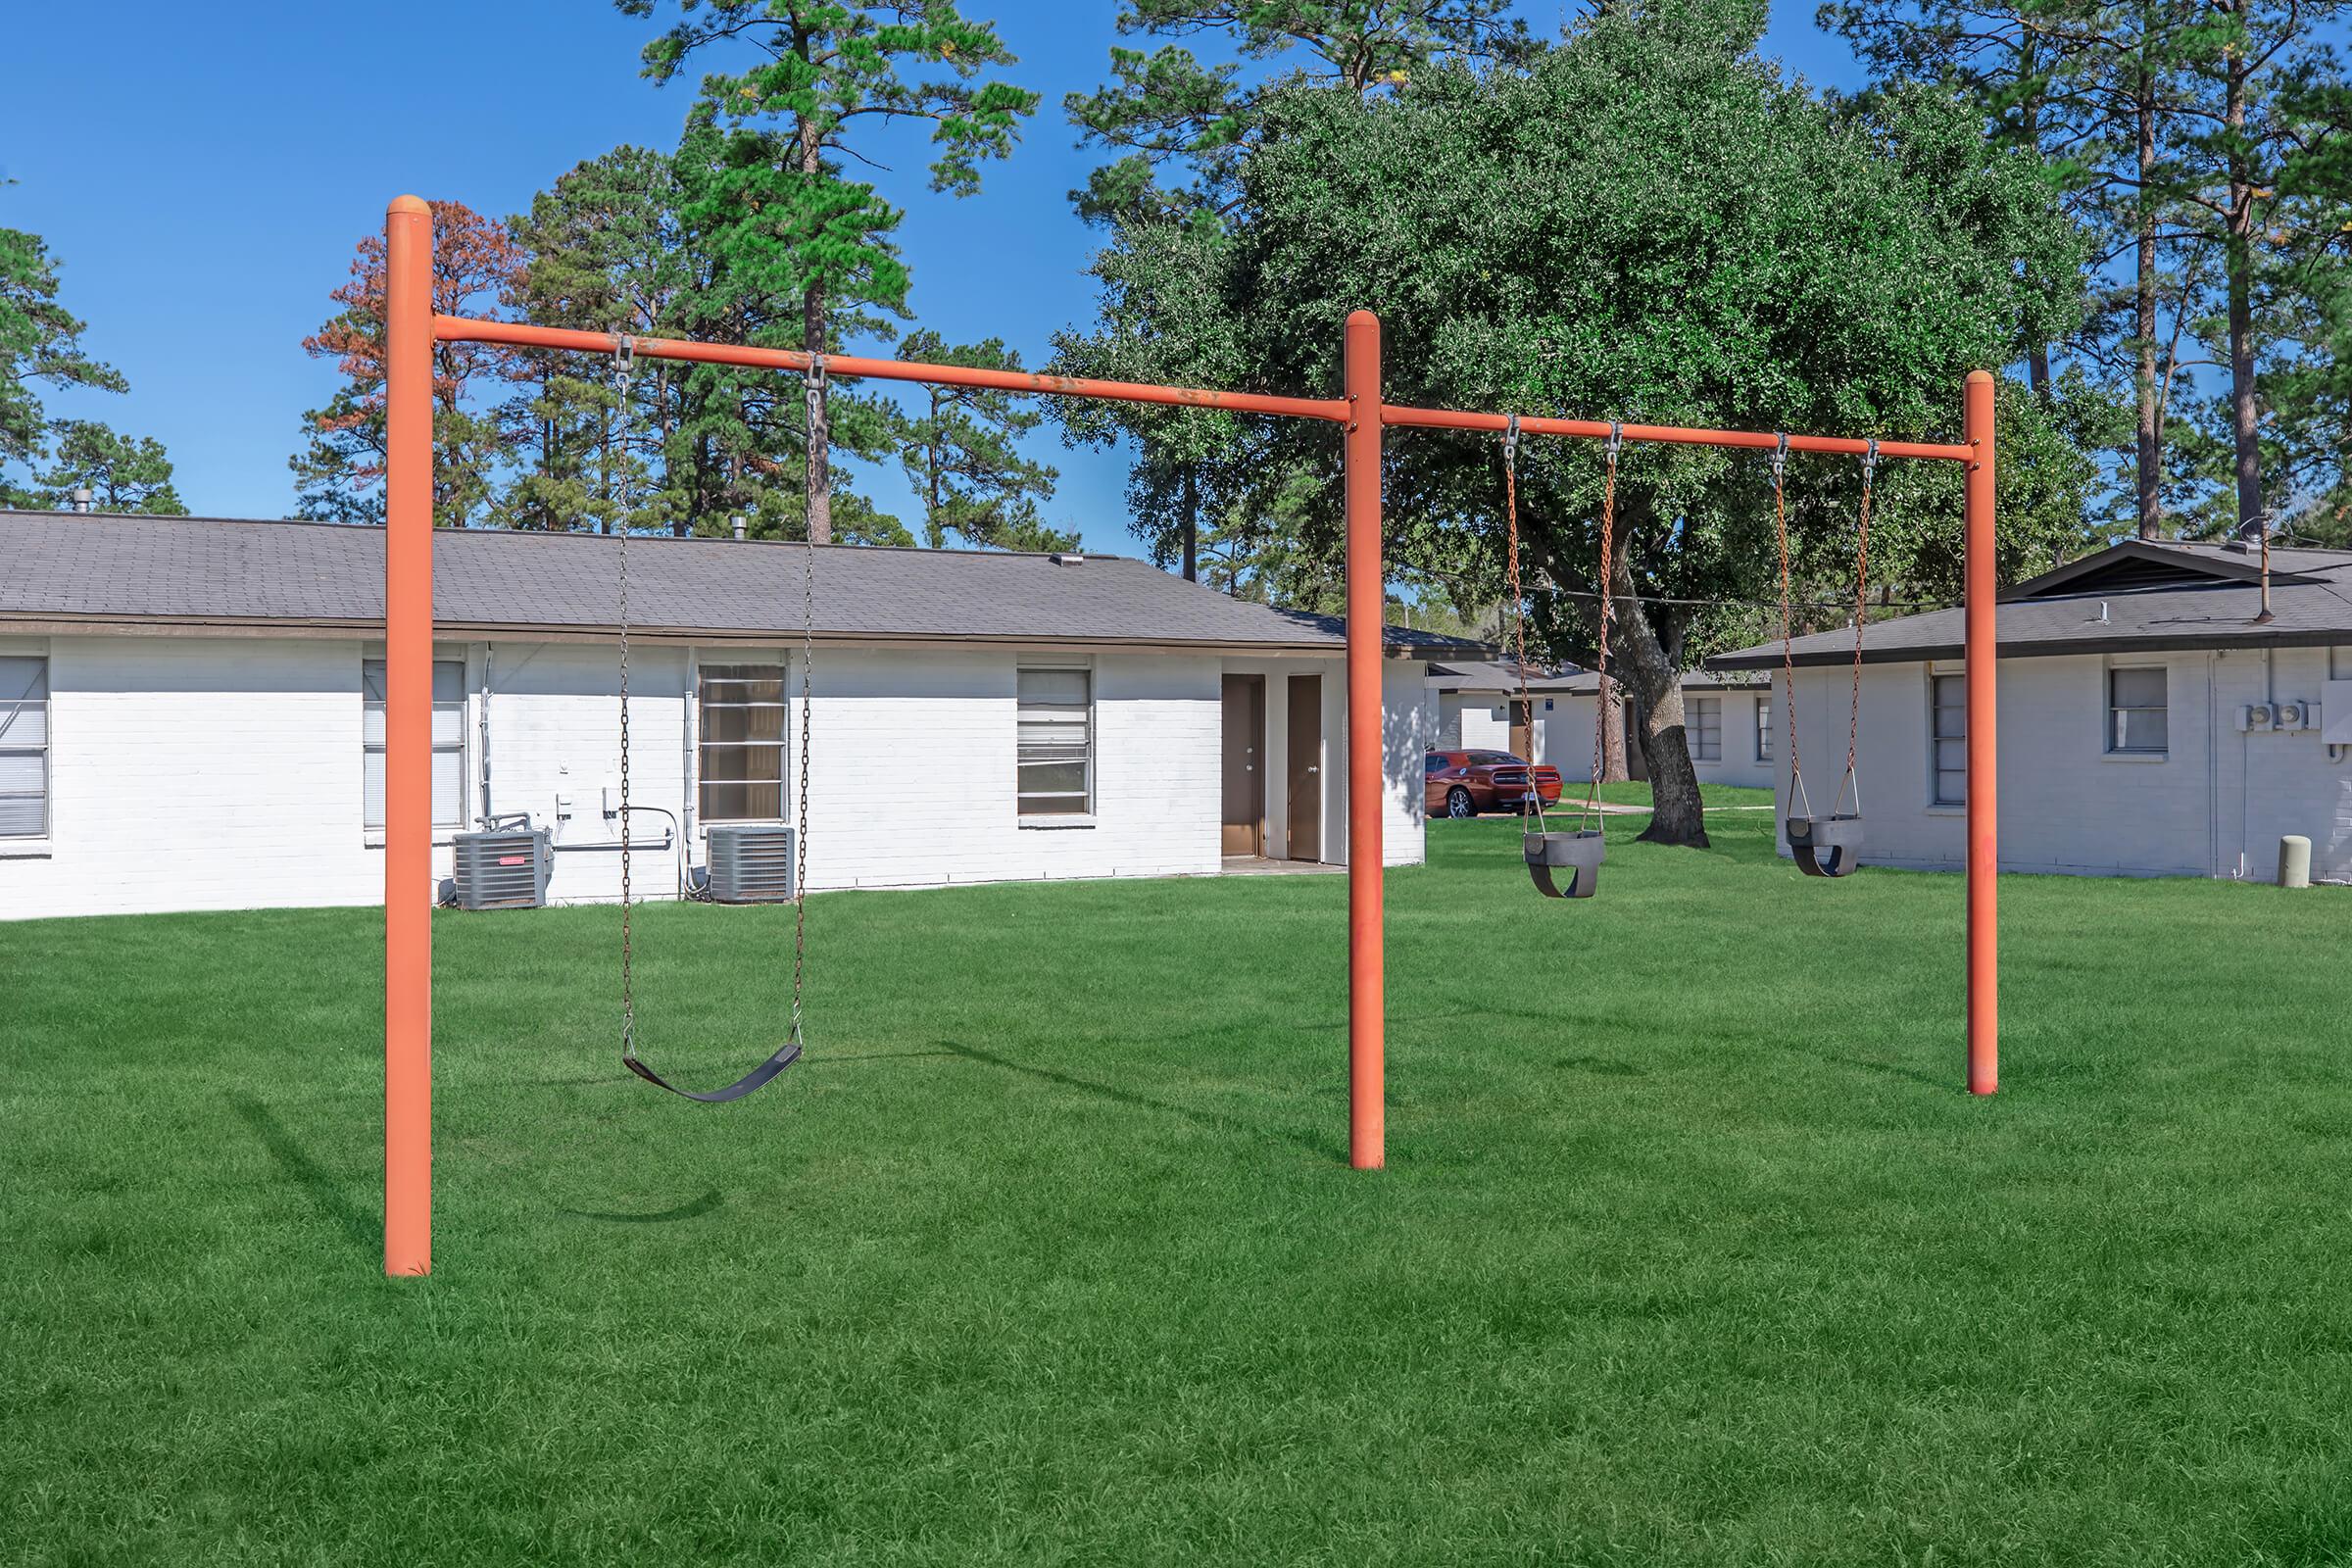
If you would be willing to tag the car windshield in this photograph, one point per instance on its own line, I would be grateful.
(1495, 759)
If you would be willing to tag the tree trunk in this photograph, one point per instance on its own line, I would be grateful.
(933, 530)
(2148, 457)
(2244, 416)
(1192, 524)
(1613, 769)
(1654, 690)
(2038, 352)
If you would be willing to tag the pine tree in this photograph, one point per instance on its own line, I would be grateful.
(122, 474)
(1168, 111)
(40, 342)
(340, 472)
(964, 458)
(778, 214)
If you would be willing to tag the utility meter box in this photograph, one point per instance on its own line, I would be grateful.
(2334, 717)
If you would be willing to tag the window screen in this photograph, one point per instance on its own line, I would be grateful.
(1055, 759)
(1706, 729)
(449, 741)
(742, 758)
(2136, 721)
(1947, 737)
(1763, 729)
(23, 748)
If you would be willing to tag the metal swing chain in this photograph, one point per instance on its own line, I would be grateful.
(624, 356)
(1527, 701)
(1853, 724)
(800, 840)
(1590, 819)
(1780, 523)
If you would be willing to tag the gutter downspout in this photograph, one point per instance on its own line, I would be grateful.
(489, 657)
(2213, 770)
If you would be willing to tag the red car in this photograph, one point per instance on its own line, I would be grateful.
(1466, 783)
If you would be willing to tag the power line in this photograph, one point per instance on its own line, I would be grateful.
(1847, 604)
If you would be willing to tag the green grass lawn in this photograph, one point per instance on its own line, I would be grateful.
(1689, 1251)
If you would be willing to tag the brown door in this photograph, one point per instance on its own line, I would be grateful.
(1245, 813)
(1306, 814)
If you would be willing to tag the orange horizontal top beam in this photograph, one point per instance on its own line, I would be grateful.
(519, 334)
(464, 330)
(1676, 434)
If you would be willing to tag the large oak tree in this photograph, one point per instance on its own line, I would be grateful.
(1648, 223)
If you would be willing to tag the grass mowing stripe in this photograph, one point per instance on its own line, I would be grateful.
(1691, 1251)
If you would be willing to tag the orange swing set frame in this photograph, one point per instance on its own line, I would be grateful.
(411, 330)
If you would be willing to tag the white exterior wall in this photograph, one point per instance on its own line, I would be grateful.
(1479, 721)
(203, 773)
(186, 775)
(1571, 751)
(2214, 804)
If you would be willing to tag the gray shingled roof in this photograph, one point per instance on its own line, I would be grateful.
(1494, 675)
(2137, 596)
(70, 567)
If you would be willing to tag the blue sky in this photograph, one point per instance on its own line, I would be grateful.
(203, 182)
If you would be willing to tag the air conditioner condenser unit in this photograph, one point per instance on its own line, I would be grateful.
(504, 869)
(751, 865)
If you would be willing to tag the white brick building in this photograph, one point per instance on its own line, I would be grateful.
(2150, 724)
(188, 716)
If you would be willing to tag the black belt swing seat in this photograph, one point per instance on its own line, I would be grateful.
(785, 1054)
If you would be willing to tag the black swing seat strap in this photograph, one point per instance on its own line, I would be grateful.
(750, 1083)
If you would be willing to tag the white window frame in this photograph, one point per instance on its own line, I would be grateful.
(1936, 738)
(1699, 729)
(1090, 746)
(459, 748)
(2112, 727)
(1764, 729)
(760, 658)
(9, 710)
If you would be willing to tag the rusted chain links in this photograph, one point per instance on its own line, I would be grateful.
(624, 359)
(1527, 700)
(1802, 805)
(1853, 722)
(800, 840)
(1590, 818)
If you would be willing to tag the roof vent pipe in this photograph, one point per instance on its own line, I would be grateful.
(737, 520)
(82, 498)
(2262, 526)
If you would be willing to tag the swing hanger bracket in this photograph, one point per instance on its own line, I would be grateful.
(1870, 459)
(1779, 454)
(1510, 438)
(1616, 436)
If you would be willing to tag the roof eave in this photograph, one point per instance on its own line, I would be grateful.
(2183, 642)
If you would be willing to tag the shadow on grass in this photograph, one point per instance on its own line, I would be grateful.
(694, 1208)
(1213, 1121)
(362, 1225)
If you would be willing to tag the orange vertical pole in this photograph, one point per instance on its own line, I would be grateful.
(408, 737)
(1983, 755)
(1366, 598)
